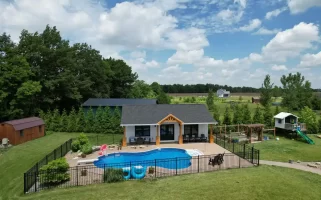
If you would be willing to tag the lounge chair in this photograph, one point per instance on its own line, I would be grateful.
(217, 160)
(193, 139)
(185, 138)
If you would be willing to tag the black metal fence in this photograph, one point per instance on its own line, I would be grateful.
(91, 174)
(242, 150)
(31, 176)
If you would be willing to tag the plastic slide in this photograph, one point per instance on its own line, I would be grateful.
(138, 172)
(126, 171)
(304, 136)
(103, 149)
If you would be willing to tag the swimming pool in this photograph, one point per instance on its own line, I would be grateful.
(170, 158)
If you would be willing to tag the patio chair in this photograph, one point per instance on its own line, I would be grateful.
(217, 160)
(132, 140)
(193, 139)
(185, 138)
(140, 140)
(5, 142)
(203, 138)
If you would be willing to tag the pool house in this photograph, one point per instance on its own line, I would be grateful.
(166, 123)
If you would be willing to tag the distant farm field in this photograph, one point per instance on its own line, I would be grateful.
(205, 94)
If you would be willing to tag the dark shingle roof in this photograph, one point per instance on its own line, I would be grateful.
(21, 124)
(118, 102)
(151, 114)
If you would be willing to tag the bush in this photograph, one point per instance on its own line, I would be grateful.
(86, 149)
(75, 146)
(83, 139)
(55, 172)
(113, 175)
(151, 170)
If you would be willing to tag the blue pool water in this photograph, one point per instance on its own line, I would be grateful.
(170, 158)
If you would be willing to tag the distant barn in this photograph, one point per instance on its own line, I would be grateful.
(222, 93)
(22, 130)
(256, 99)
(112, 103)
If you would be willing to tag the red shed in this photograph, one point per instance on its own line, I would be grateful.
(22, 130)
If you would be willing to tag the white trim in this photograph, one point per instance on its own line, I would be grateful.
(202, 123)
(138, 124)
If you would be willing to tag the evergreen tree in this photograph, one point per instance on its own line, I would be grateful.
(72, 121)
(63, 122)
(266, 91)
(55, 120)
(267, 115)
(237, 116)
(246, 115)
(227, 117)
(116, 121)
(309, 117)
(107, 121)
(47, 118)
(258, 117)
(163, 98)
(81, 121)
(276, 110)
(216, 116)
(90, 120)
(98, 124)
(210, 100)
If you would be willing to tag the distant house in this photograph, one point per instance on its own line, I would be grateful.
(22, 130)
(222, 93)
(256, 99)
(112, 103)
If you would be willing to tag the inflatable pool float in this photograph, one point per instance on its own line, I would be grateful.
(126, 171)
(138, 172)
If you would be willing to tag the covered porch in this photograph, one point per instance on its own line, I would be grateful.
(168, 130)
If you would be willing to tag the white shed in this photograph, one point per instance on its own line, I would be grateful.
(286, 121)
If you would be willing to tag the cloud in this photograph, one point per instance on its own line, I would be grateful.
(264, 31)
(241, 2)
(299, 6)
(311, 60)
(138, 54)
(291, 42)
(279, 68)
(186, 57)
(275, 13)
(253, 24)
(229, 17)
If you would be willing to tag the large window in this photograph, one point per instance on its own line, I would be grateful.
(167, 132)
(21, 133)
(142, 131)
(191, 130)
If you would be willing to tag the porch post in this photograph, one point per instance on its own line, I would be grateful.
(211, 134)
(157, 135)
(124, 138)
(180, 137)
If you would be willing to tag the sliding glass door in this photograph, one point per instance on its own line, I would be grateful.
(167, 132)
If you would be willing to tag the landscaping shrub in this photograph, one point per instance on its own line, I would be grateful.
(55, 172)
(113, 175)
(87, 149)
(83, 139)
(75, 145)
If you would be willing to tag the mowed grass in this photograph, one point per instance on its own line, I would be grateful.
(20, 158)
(264, 182)
(286, 149)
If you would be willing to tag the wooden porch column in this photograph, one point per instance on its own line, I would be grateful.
(124, 138)
(157, 135)
(262, 133)
(211, 134)
(180, 137)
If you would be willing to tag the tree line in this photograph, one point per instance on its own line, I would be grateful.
(104, 120)
(45, 72)
(204, 88)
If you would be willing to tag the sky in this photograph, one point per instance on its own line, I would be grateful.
(228, 42)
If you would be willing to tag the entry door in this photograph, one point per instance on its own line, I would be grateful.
(167, 132)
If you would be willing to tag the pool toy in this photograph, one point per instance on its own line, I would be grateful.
(126, 171)
(138, 172)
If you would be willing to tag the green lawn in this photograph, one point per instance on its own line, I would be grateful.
(20, 158)
(264, 182)
(286, 149)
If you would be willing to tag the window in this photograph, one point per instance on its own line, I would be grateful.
(280, 121)
(21, 133)
(40, 129)
(191, 130)
(142, 131)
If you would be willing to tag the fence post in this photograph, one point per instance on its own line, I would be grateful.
(37, 164)
(61, 151)
(67, 147)
(239, 161)
(224, 141)
(55, 154)
(258, 157)
(198, 164)
(104, 172)
(233, 146)
(77, 174)
(24, 183)
(97, 140)
(35, 174)
(252, 154)
(155, 169)
(176, 166)
(244, 151)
